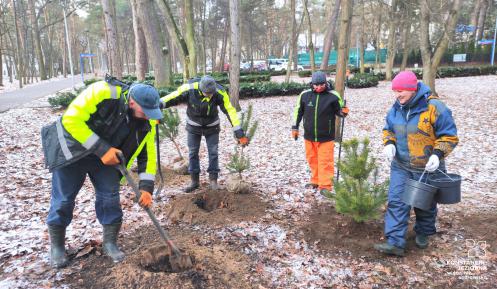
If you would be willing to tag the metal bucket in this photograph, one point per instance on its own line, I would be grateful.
(418, 194)
(449, 187)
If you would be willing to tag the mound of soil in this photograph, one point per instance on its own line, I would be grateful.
(215, 266)
(215, 207)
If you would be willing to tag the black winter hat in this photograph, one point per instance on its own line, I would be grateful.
(207, 84)
(318, 77)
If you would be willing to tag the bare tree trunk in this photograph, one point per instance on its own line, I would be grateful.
(222, 56)
(330, 35)
(115, 65)
(474, 17)
(148, 20)
(203, 43)
(173, 29)
(19, 62)
(291, 44)
(235, 53)
(430, 63)
(378, 42)
(405, 38)
(64, 54)
(116, 33)
(362, 41)
(141, 57)
(343, 55)
(392, 28)
(37, 40)
(49, 53)
(310, 45)
(1, 60)
(190, 36)
(481, 20)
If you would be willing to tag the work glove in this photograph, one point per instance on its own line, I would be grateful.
(345, 111)
(145, 199)
(110, 157)
(389, 151)
(432, 164)
(244, 141)
(295, 134)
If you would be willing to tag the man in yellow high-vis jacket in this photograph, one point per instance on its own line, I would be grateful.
(203, 98)
(105, 119)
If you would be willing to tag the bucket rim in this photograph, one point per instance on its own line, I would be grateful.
(418, 182)
(445, 178)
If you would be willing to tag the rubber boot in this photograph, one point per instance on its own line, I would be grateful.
(109, 244)
(194, 185)
(213, 182)
(58, 258)
(421, 241)
(388, 249)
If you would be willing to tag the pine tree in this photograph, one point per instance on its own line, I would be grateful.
(169, 127)
(355, 195)
(238, 161)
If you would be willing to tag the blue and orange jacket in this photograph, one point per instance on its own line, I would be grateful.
(420, 128)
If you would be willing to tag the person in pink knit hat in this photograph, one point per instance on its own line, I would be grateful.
(418, 136)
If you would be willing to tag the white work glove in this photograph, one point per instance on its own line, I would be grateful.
(389, 151)
(432, 164)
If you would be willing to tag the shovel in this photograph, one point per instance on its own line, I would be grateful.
(179, 261)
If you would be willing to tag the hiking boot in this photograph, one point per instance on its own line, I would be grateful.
(213, 182)
(194, 184)
(109, 245)
(58, 258)
(421, 241)
(311, 186)
(389, 249)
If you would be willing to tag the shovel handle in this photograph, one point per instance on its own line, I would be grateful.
(164, 235)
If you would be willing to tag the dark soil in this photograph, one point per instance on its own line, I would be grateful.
(220, 264)
(333, 232)
(215, 207)
(147, 263)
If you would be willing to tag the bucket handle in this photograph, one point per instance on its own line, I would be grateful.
(420, 178)
(445, 174)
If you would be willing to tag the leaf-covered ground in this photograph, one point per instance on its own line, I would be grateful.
(279, 236)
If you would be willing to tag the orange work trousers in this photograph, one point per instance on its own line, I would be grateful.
(320, 158)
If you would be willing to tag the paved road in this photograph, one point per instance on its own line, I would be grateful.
(18, 97)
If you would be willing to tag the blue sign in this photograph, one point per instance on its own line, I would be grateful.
(460, 28)
(87, 55)
(486, 42)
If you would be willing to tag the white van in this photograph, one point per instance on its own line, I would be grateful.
(280, 64)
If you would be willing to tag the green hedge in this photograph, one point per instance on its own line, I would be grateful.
(262, 89)
(308, 73)
(362, 80)
(443, 72)
(258, 89)
(61, 99)
(87, 82)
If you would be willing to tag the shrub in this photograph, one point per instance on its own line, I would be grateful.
(87, 82)
(362, 80)
(61, 99)
(169, 127)
(305, 73)
(261, 89)
(238, 161)
(355, 195)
